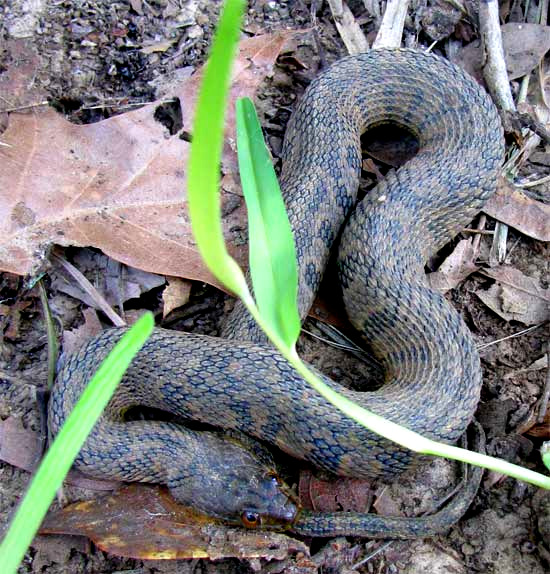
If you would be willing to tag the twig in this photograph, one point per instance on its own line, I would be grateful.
(512, 336)
(459, 5)
(372, 555)
(510, 251)
(345, 347)
(545, 396)
(348, 28)
(535, 182)
(531, 123)
(393, 22)
(26, 107)
(480, 230)
(498, 83)
(117, 103)
(494, 69)
(519, 156)
(373, 8)
(543, 12)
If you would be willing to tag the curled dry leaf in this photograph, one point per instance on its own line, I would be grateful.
(22, 447)
(18, 86)
(117, 283)
(515, 296)
(540, 429)
(19, 446)
(119, 184)
(144, 522)
(456, 267)
(524, 47)
(175, 295)
(347, 494)
(514, 208)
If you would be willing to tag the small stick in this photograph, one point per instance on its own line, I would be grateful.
(90, 290)
(512, 336)
(348, 28)
(545, 397)
(494, 69)
(480, 230)
(373, 8)
(393, 22)
(534, 183)
(26, 107)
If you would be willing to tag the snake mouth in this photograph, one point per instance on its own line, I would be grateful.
(283, 519)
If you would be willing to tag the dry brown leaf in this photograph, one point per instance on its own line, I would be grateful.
(19, 446)
(514, 208)
(456, 267)
(144, 522)
(75, 478)
(537, 365)
(515, 296)
(118, 184)
(75, 338)
(175, 295)
(22, 447)
(540, 429)
(10, 318)
(347, 494)
(117, 283)
(18, 86)
(524, 47)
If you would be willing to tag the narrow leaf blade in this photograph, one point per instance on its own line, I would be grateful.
(205, 157)
(68, 442)
(271, 243)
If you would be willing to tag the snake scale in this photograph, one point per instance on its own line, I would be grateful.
(432, 370)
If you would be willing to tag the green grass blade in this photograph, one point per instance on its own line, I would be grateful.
(68, 442)
(206, 220)
(205, 158)
(272, 254)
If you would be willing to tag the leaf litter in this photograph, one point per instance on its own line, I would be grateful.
(515, 296)
(229, 176)
(118, 184)
(159, 528)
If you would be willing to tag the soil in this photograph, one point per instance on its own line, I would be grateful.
(88, 64)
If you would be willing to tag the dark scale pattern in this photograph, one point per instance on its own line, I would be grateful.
(432, 368)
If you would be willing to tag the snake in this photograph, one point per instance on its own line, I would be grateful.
(245, 393)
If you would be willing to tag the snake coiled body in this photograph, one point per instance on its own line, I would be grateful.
(433, 375)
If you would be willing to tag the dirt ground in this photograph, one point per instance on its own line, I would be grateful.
(90, 65)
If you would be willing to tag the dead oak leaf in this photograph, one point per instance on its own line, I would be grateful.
(524, 47)
(514, 208)
(144, 522)
(119, 184)
(19, 446)
(456, 267)
(515, 296)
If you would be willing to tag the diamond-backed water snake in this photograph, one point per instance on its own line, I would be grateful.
(432, 371)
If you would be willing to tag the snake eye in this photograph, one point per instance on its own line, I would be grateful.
(250, 519)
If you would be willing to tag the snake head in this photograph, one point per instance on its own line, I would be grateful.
(228, 480)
